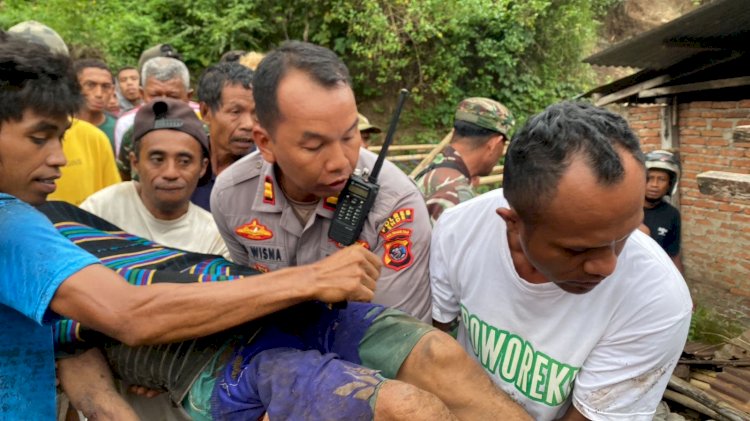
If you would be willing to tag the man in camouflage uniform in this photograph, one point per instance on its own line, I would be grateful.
(480, 132)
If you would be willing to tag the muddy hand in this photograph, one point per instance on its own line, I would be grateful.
(347, 275)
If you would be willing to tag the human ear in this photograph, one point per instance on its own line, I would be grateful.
(512, 221)
(264, 143)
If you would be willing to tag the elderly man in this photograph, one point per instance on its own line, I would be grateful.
(161, 77)
(574, 312)
(170, 160)
(225, 93)
(480, 133)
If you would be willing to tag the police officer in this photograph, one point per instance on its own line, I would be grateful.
(274, 207)
(480, 132)
(661, 218)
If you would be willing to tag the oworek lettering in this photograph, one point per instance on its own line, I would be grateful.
(515, 361)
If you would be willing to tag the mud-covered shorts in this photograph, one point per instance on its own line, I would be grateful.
(330, 366)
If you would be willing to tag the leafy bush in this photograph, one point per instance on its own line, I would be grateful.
(524, 54)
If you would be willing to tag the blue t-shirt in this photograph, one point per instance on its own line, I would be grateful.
(34, 260)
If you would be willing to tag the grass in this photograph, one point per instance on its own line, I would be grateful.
(708, 326)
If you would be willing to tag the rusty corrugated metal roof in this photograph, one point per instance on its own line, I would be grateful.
(723, 25)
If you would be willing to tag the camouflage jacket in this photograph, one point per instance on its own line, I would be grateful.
(445, 183)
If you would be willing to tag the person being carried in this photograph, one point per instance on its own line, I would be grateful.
(274, 207)
(170, 156)
(572, 311)
(480, 133)
(661, 218)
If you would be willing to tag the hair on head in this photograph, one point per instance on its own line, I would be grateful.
(319, 63)
(541, 152)
(34, 78)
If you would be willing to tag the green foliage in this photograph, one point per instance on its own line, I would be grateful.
(709, 327)
(524, 54)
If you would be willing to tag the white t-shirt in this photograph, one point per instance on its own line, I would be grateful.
(195, 231)
(615, 346)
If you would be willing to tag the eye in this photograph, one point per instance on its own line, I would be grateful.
(38, 140)
(156, 159)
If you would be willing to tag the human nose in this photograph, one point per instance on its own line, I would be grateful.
(170, 171)
(56, 157)
(247, 121)
(602, 263)
(337, 160)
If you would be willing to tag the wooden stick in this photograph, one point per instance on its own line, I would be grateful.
(430, 156)
(733, 363)
(720, 407)
(691, 403)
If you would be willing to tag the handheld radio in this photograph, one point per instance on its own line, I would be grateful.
(358, 196)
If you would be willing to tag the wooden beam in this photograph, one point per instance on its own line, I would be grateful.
(632, 90)
(724, 410)
(698, 86)
(405, 158)
(430, 156)
(418, 147)
(742, 135)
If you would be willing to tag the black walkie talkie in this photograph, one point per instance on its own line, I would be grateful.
(358, 196)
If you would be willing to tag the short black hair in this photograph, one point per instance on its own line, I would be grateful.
(320, 63)
(232, 56)
(543, 149)
(34, 78)
(122, 69)
(215, 78)
(85, 63)
(472, 134)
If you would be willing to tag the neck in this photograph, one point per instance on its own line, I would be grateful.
(651, 203)
(221, 160)
(163, 213)
(471, 157)
(523, 267)
(94, 117)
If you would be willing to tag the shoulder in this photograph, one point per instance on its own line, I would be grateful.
(83, 130)
(113, 194)
(245, 169)
(649, 277)
(14, 211)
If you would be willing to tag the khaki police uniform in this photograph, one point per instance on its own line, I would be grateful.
(262, 231)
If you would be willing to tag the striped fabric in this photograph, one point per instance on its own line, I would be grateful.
(137, 260)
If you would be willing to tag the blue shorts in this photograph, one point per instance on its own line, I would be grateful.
(311, 368)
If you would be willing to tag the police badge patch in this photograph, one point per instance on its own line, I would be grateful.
(397, 241)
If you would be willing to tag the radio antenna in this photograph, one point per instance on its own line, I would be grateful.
(388, 137)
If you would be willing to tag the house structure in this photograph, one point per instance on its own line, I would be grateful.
(691, 94)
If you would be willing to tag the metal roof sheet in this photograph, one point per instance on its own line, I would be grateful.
(718, 26)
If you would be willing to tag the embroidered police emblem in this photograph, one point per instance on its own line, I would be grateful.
(254, 231)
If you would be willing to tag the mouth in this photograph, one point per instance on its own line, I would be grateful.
(47, 184)
(338, 184)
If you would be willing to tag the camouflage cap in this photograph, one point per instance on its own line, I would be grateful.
(364, 125)
(41, 34)
(486, 113)
(158, 50)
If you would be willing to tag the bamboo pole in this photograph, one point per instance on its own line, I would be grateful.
(726, 411)
(688, 402)
(430, 156)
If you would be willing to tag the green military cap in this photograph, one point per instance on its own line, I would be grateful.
(364, 125)
(486, 113)
(39, 33)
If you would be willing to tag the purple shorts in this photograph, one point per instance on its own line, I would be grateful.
(300, 369)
